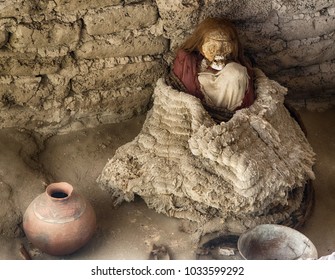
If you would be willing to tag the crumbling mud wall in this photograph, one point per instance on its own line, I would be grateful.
(74, 63)
(69, 64)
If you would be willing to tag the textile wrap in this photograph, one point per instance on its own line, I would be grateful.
(228, 176)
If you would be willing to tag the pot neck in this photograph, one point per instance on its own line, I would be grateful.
(59, 191)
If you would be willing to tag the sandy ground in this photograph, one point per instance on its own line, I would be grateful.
(28, 164)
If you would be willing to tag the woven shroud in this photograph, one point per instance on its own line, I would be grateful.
(230, 176)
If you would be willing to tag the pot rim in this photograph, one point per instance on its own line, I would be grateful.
(60, 187)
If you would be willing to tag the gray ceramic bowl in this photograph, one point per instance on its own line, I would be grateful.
(275, 242)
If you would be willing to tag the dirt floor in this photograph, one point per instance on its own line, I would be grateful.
(28, 164)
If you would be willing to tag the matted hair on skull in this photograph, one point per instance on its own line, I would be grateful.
(196, 39)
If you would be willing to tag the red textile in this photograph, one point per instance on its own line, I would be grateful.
(186, 67)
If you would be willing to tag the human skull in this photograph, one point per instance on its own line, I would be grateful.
(217, 48)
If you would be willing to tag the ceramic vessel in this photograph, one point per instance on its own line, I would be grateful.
(60, 220)
(275, 242)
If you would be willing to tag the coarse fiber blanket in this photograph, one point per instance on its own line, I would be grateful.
(234, 175)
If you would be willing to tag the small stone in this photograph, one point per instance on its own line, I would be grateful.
(331, 11)
(226, 252)
(293, 44)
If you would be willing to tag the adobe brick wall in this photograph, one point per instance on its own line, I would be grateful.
(69, 64)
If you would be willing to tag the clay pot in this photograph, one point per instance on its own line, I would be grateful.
(59, 221)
